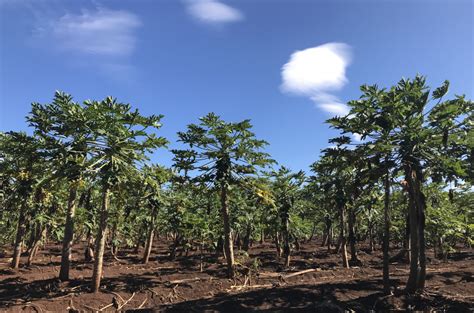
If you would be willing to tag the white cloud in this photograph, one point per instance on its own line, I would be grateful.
(334, 108)
(315, 72)
(99, 38)
(213, 12)
(99, 32)
(330, 103)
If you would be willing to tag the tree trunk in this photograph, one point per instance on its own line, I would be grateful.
(68, 234)
(151, 234)
(219, 247)
(277, 244)
(20, 233)
(313, 232)
(228, 244)
(386, 235)
(330, 237)
(246, 243)
(286, 239)
(407, 242)
(40, 233)
(371, 237)
(112, 237)
(417, 276)
(297, 243)
(238, 242)
(177, 239)
(149, 244)
(417, 205)
(89, 252)
(421, 236)
(343, 247)
(324, 239)
(100, 241)
(352, 239)
(327, 230)
(414, 249)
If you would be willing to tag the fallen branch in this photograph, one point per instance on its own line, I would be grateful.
(188, 280)
(143, 303)
(238, 288)
(133, 295)
(301, 273)
(106, 307)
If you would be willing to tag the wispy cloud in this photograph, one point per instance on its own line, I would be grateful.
(316, 72)
(213, 12)
(99, 37)
(100, 32)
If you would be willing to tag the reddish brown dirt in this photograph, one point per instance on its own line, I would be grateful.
(450, 285)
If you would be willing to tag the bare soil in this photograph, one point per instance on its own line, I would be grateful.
(132, 286)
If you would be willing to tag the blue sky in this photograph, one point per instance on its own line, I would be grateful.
(287, 65)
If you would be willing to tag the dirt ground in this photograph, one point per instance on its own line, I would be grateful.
(327, 287)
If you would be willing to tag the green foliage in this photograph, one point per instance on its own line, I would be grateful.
(95, 144)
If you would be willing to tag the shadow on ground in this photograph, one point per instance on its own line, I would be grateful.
(364, 297)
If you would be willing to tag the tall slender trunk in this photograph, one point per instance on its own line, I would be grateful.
(238, 242)
(371, 237)
(151, 234)
(330, 237)
(327, 230)
(414, 249)
(174, 247)
(342, 238)
(40, 234)
(219, 247)
(20, 233)
(313, 232)
(112, 239)
(277, 244)
(100, 241)
(286, 238)
(149, 244)
(407, 241)
(421, 235)
(386, 234)
(352, 239)
(324, 239)
(248, 233)
(228, 244)
(417, 276)
(89, 252)
(68, 234)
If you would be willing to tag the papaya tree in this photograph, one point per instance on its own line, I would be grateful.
(334, 176)
(24, 167)
(223, 154)
(418, 133)
(286, 189)
(66, 127)
(154, 178)
(122, 140)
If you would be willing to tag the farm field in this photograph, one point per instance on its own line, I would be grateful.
(236, 156)
(156, 287)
